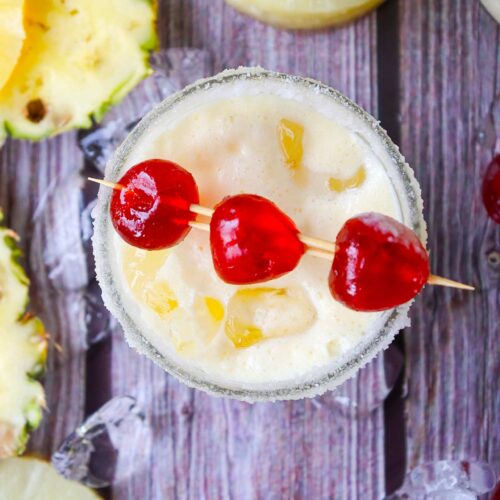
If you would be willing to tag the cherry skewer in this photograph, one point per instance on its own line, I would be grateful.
(314, 246)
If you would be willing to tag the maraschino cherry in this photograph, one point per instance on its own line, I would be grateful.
(150, 204)
(491, 189)
(379, 264)
(252, 240)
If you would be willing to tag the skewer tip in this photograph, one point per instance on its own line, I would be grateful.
(102, 182)
(440, 281)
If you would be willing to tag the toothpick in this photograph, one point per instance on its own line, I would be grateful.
(440, 281)
(317, 243)
(112, 185)
(199, 225)
(198, 209)
(315, 246)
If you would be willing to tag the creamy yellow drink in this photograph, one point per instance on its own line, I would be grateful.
(321, 163)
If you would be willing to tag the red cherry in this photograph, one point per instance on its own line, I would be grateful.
(379, 264)
(252, 240)
(151, 208)
(491, 189)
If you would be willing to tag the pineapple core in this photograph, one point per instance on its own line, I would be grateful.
(141, 270)
(256, 314)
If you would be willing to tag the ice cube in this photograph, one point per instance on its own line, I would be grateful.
(91, 454)
(447, 479)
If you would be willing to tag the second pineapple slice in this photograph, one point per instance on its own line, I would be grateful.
(33, 479)
(79, 58)
(305, 14)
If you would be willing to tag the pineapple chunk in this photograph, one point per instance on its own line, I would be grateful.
(79, 58)
(209, 312)
(340, 185)
(23, 350)
(291, 135)
(159, 297)
(30, 478)
(304, 14)
(11, 36)
(256, 314)
(214, 308)
(141, 268)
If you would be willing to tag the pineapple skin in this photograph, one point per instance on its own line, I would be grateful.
(57, 84)
(23, 345)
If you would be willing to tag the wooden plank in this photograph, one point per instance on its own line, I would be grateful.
(40, 191)
(204, 447)
(450, 74)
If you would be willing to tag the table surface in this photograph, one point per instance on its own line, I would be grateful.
(430, 71)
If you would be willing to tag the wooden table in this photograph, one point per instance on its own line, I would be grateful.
(429, 69)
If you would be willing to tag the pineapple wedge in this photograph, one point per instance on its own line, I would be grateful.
(32, 479)
(304, 14)
(79, 58)
(11, 36)
(23, 349)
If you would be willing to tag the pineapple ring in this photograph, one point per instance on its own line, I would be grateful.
(12, 36)
(34, 478)
(305, 14)
(79, 58)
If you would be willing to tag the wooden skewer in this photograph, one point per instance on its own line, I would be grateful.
(200, 225)
(438, 280)
(112, 185)
(317, 252)
(198, 209)
(315, 246)
(317, 243)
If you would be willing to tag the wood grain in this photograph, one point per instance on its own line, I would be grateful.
(203, 447)
(450, 69)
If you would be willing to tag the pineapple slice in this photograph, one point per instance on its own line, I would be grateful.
(23, 349)
(493, 7)
(79, 58)
(29, 479)
(11, 36)
(304, 14)
(256, 314)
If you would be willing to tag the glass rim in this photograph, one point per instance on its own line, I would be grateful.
(328, 376)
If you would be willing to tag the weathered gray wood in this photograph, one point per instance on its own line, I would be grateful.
(203, 447)
(450, 74)
(40, 191)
